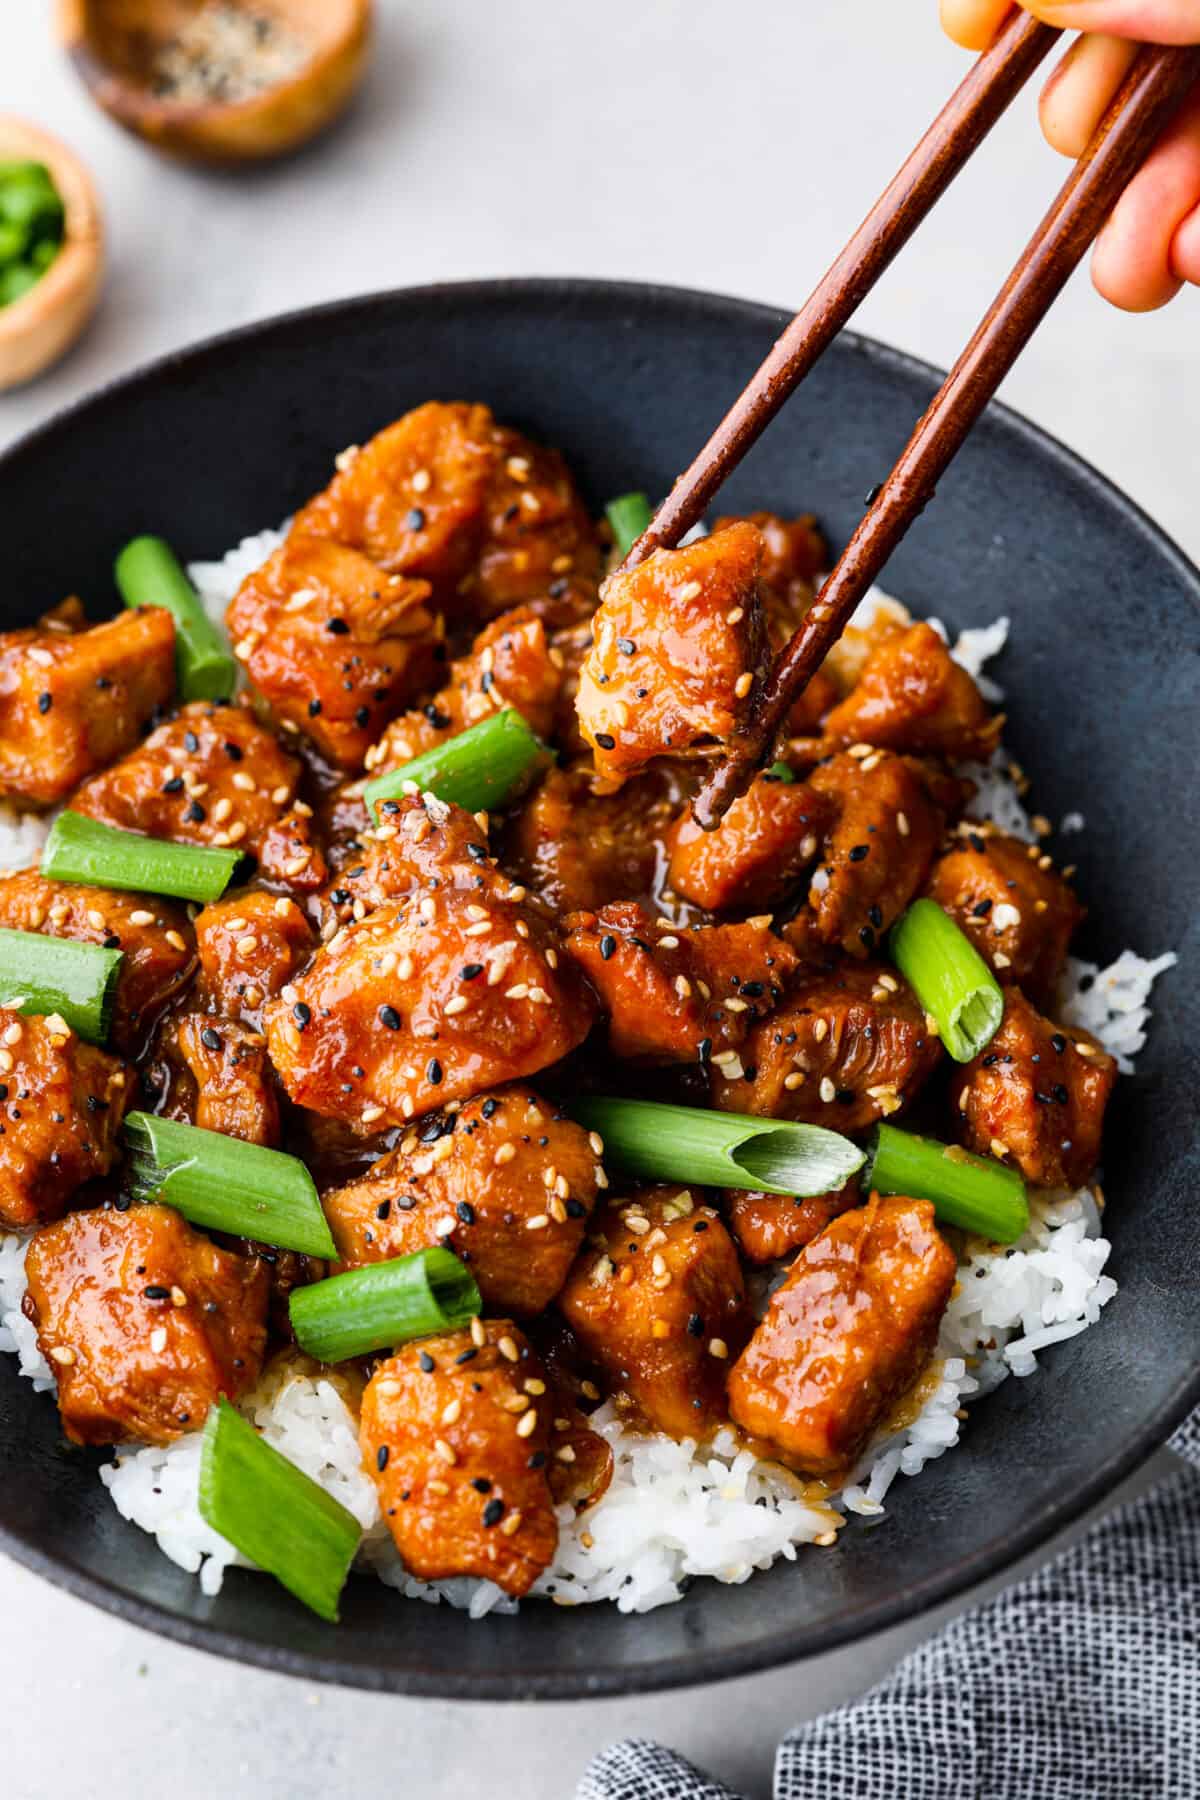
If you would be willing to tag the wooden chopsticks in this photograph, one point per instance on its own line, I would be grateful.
(1156, 84)
(977, 103)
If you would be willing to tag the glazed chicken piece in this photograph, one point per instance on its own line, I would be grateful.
(656, 1300)
(913, 696)
(211, 775)
(145, 1322)
(878, 851)
(251, 943)
(758, 852)
(581, 849)
(223, 1081)
(678, 647)
(153, 934)
(61, 1106)
(413, 498)
(851, 1328)
(424, 1002)
(334, 646)
(448, 496)
(538, 538)
(1011, 902)
(768, 1226)
(456, 1431)
(673, 994)
(846, 1048)
(421, 844)
(507, 1183)
(1036, 1096)
(511, 664)
(71, 701)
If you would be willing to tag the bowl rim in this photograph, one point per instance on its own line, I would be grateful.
(789, 1645)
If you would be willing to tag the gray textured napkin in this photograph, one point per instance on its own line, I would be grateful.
(1082, 1682)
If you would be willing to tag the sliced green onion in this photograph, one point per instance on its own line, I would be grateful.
(781, 771)
(46, 975)
(720, 1149)
(225, 1185)
(629, 515)
(479, 770)
(274, 1513)
(970, 1191)
(383, 1304)
(82, 849)
(149, 574)
(949, 978)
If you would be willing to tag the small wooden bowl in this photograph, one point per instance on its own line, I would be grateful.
(36, 329)
(117, 47)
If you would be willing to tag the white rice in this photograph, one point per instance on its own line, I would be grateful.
(673, 1511)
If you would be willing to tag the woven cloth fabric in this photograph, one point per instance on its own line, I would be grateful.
(1080, 1683)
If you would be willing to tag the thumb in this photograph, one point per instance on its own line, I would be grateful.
(1154, 21)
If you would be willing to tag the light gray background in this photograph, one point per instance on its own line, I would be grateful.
(724, 146)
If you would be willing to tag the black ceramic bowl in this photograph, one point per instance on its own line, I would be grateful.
(1103, 704)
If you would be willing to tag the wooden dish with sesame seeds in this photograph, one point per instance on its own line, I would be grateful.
(575, 1202)
(225, 81)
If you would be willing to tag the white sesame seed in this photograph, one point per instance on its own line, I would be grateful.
(527, 1423)
(744, 683)
(827, 1090)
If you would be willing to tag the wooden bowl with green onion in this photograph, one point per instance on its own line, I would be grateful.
(51, 250)
(222, 81)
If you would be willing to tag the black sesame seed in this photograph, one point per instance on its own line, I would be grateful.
(338, 627)
(982, 910)
(489, 1107)
(537, 1460)
(695, 1325)
(575, 1209)
(381, 1458)
(876, 917)
(362, 717)
(314, 707)
(626, 646)
(867, 936)
(466, 1356)
(608, 947)
(481, 1484)
(174, 786)
(605, 739)
(211, 1039)
(390, 1017)
(45, 702)
(383, 1209)
(466, 1212)
(433, 1071)
(191, 742)
(477, 852)
(493, 1512)
(195, 814)
(1061, 1094)
(470, 971)
(301, 1013)
(860, 851)
(154, 1292)
(233, 751)
(427, 1363)
(415, 519)
(1059, 1042)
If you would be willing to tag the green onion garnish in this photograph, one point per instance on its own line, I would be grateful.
(719, 1149)
(479, 770)
(148, 574)
(275, 1514)
(82, 849)
(781, 771)
(223, 1184)
(629, 515)
(383, 1304)
(32, 223)
(949, 978)
(47, 975)
(970, 1191)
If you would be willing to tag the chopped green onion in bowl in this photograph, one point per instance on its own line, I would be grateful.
(32, 226)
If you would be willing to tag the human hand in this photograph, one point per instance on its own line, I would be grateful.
(1151, 244)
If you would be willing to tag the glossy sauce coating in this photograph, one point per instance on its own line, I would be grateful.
(144, 1321)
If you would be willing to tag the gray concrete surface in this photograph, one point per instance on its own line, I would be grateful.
(678, 140)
